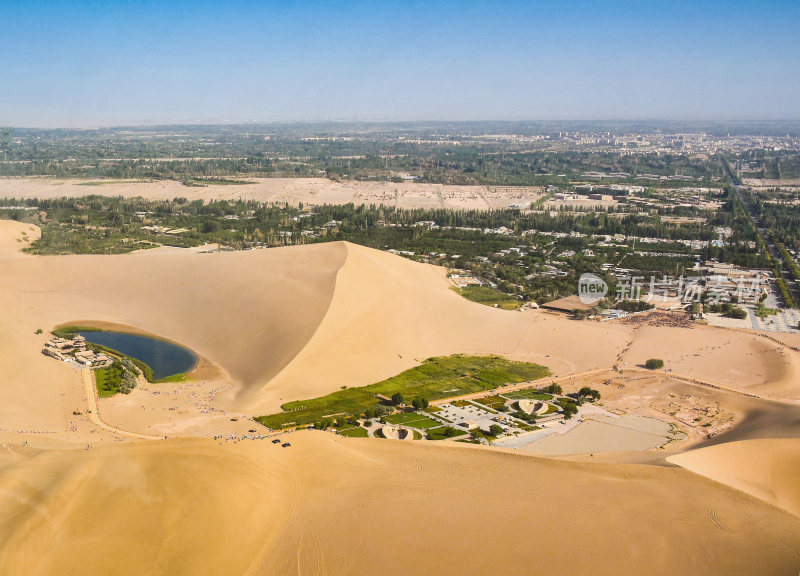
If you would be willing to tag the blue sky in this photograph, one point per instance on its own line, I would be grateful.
(83, 64)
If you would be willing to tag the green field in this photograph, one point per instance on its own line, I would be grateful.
(493, 402)
(354, 432)
(489, 297)
(528, 394)
(108, 380)
(413, 419)
(435, 378)
(438, 433)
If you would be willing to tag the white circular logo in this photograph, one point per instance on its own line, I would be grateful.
(591, 288)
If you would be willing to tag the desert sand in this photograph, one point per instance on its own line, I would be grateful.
(309, 191)
(766, 469)
(285, 324)
(372, 506)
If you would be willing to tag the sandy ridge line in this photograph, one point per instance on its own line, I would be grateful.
(753, 332)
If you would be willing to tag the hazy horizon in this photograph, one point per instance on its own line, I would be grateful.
(85, 65)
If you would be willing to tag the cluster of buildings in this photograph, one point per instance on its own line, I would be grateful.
(75, 349)
(461, 280)
(731, 283)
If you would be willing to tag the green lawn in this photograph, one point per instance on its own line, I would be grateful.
(528, 394)
(438, 433)
(413, 419)
(550, 409)
(435, 378)
(493, 402)
(489, 297)
(354, 432)
(108, 380)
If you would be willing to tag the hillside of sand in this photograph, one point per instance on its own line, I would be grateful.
(372, 507)
(278, 324)
(766, 469)
(283, 324)
(299, 322)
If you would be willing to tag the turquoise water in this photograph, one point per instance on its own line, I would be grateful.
(165, 358)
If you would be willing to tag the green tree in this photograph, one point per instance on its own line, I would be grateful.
(654, 364)
(495, 430)
(397, 398)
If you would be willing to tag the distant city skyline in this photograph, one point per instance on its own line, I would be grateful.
(87, 64)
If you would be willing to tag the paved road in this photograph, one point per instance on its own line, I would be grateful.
(787, 277)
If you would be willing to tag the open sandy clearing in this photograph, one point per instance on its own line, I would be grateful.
(600, 433)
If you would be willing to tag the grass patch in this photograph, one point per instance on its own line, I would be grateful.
(435, 378)
(439, 433)
(182, 377)
(550, 410)
(354, 433)
(489, 297)
(70, 331)
(413, 419)
(493, 402)
(108, 380)
(528, 394)
(762, 311)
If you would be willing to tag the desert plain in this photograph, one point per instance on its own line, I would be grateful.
(309, 191)
(169, 479)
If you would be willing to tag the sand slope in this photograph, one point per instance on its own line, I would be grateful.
(767, 469)
(282, 324)
(298, 322)
(388, 314)
(375, 507)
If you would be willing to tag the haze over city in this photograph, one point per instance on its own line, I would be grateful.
(88, 64)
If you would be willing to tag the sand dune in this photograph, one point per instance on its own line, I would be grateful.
(280, 324)
(283, 324)
(291, 323)
(766, 469)
(388, 314)
(370, 506)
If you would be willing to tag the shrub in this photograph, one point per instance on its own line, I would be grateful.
(737, 313)
(553, 389)
(654, 364)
